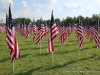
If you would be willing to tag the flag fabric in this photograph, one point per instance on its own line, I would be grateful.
(79, 33)
(69, 30)
(46, 31)
(63, 33)
(2, 29)
(41, 32)
(53, 32)
(92, 33)
(87, 30)
(27, 31)
(22, 30)
(11, 38)
(34, 32)
(7, 22)
(97, 37)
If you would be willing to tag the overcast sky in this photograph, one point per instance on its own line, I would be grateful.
(62, 8)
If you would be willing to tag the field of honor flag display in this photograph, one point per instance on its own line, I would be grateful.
(49, 49)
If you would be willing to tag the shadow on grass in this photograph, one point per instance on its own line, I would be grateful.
(97, 58)
(87, 58)
(3, 60)
(31, 48)
(94, 47)
(67, 45)
(46, 42)
(56, 42)
(61, 66)
(86, 42)
(43, 54)
(23, 49)
(2, 45)
(72, 41)
(70, 62)
(85, 48)
(74, 44)
(27, 41)
(67, 52)
(29, 72)
(39, 48)
(25, 55)
(56, 46)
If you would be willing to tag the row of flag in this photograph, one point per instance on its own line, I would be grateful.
(41, 32)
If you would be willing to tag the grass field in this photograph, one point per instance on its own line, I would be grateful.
(66, 60)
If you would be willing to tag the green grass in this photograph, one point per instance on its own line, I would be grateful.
(66, 60)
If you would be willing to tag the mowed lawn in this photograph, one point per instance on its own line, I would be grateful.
(65, 59)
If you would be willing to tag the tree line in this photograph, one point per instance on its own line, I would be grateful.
(68, 20)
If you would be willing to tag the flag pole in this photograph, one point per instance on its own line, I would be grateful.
(33, 44)
(52, 59)
(13, 67)
(28, 39)
(78, 54)
(40, 45)
(61, 47)
(96, 50)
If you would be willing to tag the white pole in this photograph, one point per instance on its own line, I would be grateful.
(33, 44)
(78, 54)
(61, 47)
(40, 47)
(90, 47)
(40, 44)
(28, 39)
(96, 52)
(13, 67)
(52, 59)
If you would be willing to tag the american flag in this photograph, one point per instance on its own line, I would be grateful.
(69, 30)
(92, 33)
(1, 29)
(34, 31)
(11, 38)
(27, 31)
(22, 31)
(87, 31)
(63, 33)
(46, 31)
(79, 33)
(97, 37)
(41, 32)
(53, 32)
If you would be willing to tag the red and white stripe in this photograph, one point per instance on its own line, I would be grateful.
(40, 34)
(92, 34)
(97, 39)
(12, 43)
(34, 32)
(53, 33)
(63, 35)
(79, 33)
(87, 33)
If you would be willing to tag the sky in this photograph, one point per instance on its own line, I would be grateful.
(61, 8)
